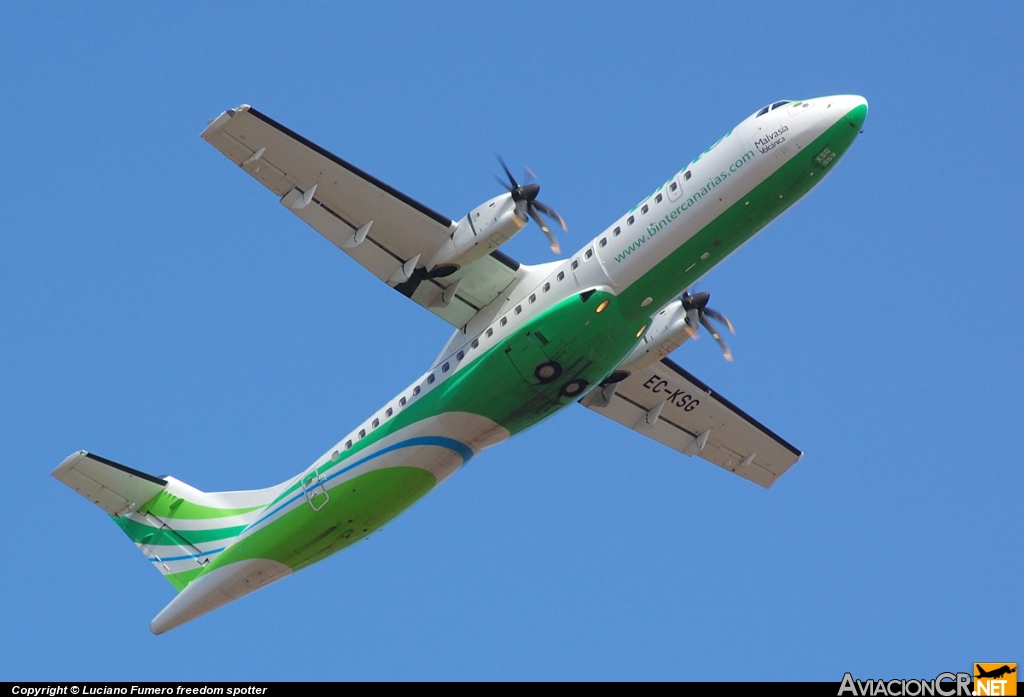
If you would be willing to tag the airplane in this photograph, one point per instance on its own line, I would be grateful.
(529, 340)
(994, 673)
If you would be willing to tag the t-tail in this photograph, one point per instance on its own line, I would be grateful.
(180, 529)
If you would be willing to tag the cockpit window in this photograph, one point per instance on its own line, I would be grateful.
(764, 111)
(776, 105)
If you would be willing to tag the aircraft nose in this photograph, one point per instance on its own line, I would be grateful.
(851, 108)
(856, 110)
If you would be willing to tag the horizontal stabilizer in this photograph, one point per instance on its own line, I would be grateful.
(111, 486)
(180, 529)
(217, 588)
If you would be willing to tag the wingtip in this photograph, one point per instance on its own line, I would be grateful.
(214, 125)
(67, 462)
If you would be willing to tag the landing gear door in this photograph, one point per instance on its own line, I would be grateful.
(526, 354)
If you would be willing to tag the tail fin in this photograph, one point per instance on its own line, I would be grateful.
(179, 528)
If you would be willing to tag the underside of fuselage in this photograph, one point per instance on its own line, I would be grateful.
(497, 395)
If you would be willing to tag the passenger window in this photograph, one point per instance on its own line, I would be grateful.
(616, 231)
(401, 402)
(362, 433)
(334, 455)
(504, 321)
(687, 175)
(415, 390)
(575, 264)
(430, 379)
(444, 368)
(348, 444)
(629, 220)
(644, 209)
(603, 242)
(519, 308)
(489, 332)
(376, 423)
(590, 253)
(476, 343)
(547, 287)
(673, 186)
(561, 275)
(462, 354)
(533, 298)
(389, 412)
(657, 199)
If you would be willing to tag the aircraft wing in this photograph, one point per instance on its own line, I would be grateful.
(381, 228)
(670, 405)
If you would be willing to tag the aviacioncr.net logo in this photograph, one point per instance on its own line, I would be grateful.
(943, 685)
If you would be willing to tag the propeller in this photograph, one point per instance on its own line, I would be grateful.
(527, 204)
(698, 312)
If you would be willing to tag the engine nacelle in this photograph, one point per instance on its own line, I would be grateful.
(669, 330)
(486, 228)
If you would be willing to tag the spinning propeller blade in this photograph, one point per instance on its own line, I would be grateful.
(527, 205)
(698, 313)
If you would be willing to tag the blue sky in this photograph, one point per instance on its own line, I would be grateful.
(159, 308)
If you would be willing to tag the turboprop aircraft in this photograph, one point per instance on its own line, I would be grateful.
(528, 341)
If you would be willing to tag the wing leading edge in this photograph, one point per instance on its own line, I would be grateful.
(670, 405)
(385, 231)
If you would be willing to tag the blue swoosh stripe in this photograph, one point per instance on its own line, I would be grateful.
(458, 447)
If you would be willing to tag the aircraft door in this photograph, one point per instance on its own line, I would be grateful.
(314, 490)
